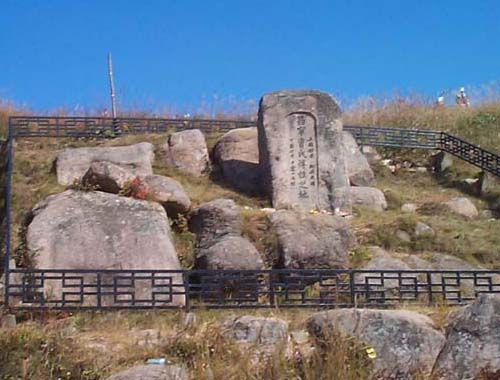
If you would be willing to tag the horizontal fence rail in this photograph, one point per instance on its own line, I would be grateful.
(41, 126)
(191, 289)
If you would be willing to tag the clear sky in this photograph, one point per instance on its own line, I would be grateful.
(183, 53)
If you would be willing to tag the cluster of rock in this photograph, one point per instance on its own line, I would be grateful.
(401, 344)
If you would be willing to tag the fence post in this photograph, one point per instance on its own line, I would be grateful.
(185, 280)
(429, 288)
(272, 301)
(8, 196)
(351, 288)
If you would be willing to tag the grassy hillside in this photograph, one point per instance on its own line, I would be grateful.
(91, 346)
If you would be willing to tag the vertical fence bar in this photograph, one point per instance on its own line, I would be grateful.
(185, 280)
(351, 287)
(8, 212)
(98, 290)
(429, 287)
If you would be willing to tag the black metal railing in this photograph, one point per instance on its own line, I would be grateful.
(315, 288)
(48, 126)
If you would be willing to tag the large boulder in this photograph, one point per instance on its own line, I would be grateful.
(166, 191)
(462, 206)
(231, 252)
(72, 164)
(307, 241)
(152, 372)
(300, 150)
(108, 177)
(358, 168)
(472, 349)
(255, 330)
(215, 219)
(187, 151)
(405, 342)
(96, 230)
(237, 156)
(369, 197)
(219, 244)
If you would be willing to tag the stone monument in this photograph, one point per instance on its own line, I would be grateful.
(300, 148)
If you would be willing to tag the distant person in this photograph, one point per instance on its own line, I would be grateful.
(461, 99)
(440, 99)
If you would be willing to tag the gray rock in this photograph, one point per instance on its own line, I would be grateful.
(96, 230)
(403, 236)
(422, 229)
(215, 219)
(371, 154)
(473, 342)
(108, 177)
(358, 168)
(187, 151)
(237, 156)
(312, 241)
(487, 214)
(152, 372)
(364, 196)
(256, 330)
(168, 192)
(72, 164)
(462, 206)
(230, 252)
(488, 183)
(300, 149)
(409, 207)
(441, 161)
(405, 342)
(219, 244)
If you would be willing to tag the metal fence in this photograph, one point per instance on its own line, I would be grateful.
(79, 127)
(314, 288)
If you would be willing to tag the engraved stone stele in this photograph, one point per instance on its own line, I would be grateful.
(300, 148)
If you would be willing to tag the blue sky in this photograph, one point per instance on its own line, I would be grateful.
(181, 54)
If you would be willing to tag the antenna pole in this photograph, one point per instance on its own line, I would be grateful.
(111, 86)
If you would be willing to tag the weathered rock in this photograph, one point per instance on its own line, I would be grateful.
(152, 372)
(187, 151)
(441, 161)
(256, 330)
(219, 244)
(214, 220)
(409, 207)
(358, 168)
(96, 230)
(463, 206)
(231, 252)
(403, 236)
(472, 349)
(108, 177)
(487, 214)
(364, 196)
(422, 229)
(300, 149)
(371, 154)
(488, 183)
(312, 241)
(237, 156)
(168, 192)
(405, 342)
(72, 164)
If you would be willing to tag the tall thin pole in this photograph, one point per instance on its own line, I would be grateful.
(111, 86)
